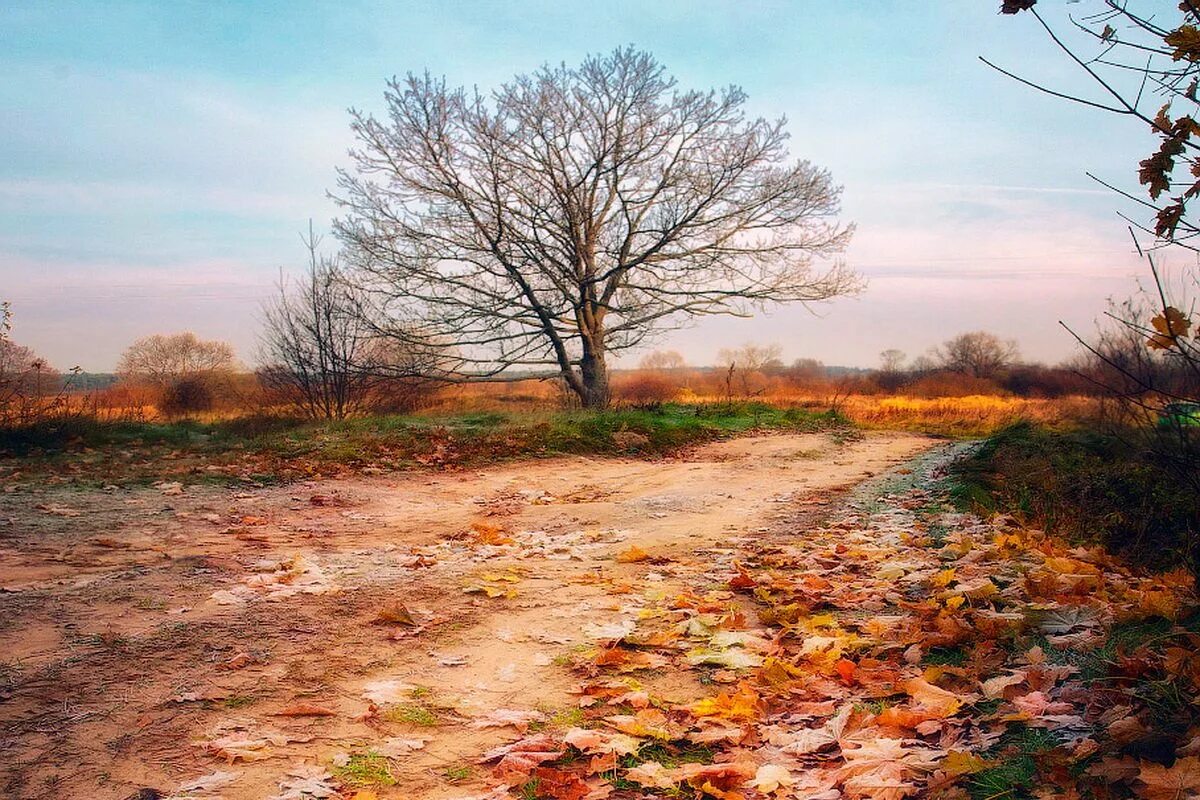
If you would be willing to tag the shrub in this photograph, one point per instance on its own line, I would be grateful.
(646, 389)
(188, 395)
(952, 384)
(1090, 487)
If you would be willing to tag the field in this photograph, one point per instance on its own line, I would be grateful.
(465, 430)
(705, 600)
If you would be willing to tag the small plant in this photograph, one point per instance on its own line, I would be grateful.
(412, 714)
(365, 769)
(239, 701)
(458, 772)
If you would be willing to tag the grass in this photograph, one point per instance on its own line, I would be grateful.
(670, 754)
(945, 657)
(365, 769)
(566, 717)
(1015, 772)
(458, 772)
(273, 449)
(1087, 487)
(969, 417)
(412, 714)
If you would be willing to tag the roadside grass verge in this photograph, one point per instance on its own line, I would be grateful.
(1087, 487)
(268, 449)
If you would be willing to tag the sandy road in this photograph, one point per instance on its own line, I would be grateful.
(150, 636)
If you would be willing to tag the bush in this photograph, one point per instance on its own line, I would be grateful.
(1088, 487)
(952, 384)
(189, 395)
(645, 389)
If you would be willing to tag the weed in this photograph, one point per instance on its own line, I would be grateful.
(239, 701)
(670, 754)
(945, 656)
(365, 769)
(458, 772)
(1084, 486)
(1016, 756)
(412, 714)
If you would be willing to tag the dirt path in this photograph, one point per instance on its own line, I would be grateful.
(151, 637)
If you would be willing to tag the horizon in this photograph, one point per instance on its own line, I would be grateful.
(159, 164)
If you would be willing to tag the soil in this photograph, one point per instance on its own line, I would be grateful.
(151, 636)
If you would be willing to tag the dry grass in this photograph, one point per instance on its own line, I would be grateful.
(974, 415)
(968, 415)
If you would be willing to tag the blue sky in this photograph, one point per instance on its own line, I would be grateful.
(158, 160)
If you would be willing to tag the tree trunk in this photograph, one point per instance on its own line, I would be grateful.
(594, 372)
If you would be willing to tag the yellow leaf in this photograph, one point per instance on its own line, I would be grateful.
(742, 704)
(943, 578)
(395, 614)
(933, 699)
(632, 555)
(960, 762)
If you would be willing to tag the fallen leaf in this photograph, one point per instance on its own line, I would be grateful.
(395, 614)
(632, 555)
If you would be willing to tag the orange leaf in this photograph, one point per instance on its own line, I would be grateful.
(633, 555)
(396, 614)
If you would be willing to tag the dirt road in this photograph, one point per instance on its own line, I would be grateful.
(206, 643)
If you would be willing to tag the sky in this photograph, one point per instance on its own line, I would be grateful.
(159, 161)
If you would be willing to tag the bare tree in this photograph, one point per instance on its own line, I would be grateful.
(892, 360)
(321, 349)
(662, 360)
(162, 359)
(181, 368)
(747, 364)
(573, 212)
(978, 353)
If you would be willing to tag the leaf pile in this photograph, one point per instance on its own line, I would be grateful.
(891, 653)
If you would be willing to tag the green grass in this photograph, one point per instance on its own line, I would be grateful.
(945, 656)
(412, 714)
(1015, 773)
(670, 754)
(567, 717)
(270, 449)
(458, 772)
(365, 769)
(239, 701)
(1088, 487)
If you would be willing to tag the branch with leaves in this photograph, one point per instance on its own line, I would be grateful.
(1149, 71)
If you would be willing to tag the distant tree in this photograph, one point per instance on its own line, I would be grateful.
(807, 368)
(164, 358)
(20, 369)
(746, 365)
(752, 357)
(892, 360)
(322, 350)
(979, 354)
(573, 212)
(26, 379)
(662, 360)
(181, 367)
(5, 320)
